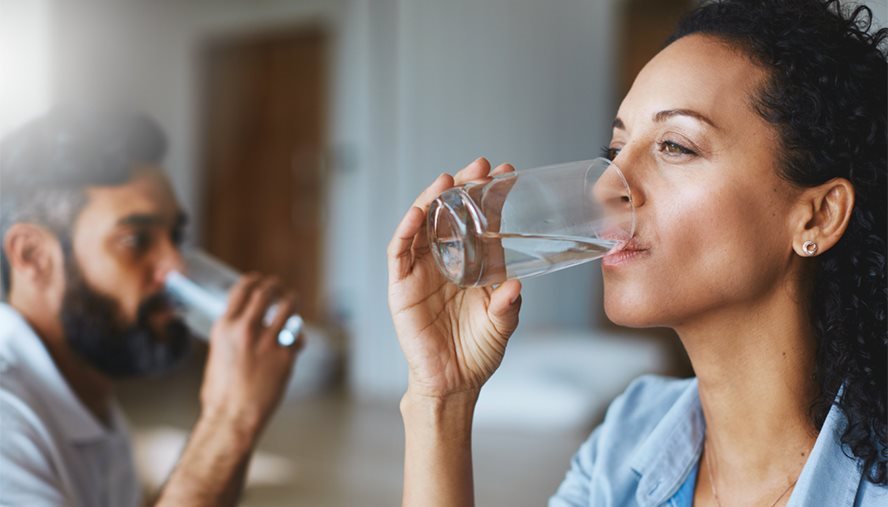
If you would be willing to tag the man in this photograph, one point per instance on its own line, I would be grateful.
(90, 227)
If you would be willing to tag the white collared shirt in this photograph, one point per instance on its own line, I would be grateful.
(53, 451)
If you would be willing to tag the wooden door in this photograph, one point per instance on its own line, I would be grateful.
(644, 27)
(264, 119)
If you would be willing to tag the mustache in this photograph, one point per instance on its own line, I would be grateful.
(152, 304)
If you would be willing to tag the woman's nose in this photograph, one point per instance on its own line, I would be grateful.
(631, 163)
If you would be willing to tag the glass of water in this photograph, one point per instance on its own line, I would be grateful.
(201, 292)
(531, 222)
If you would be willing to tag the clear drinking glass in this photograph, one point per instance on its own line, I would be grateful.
(532, 222)
(202, 293)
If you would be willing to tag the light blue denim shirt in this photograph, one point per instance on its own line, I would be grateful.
(650, 442)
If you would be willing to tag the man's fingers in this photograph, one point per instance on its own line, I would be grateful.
(293, 350)
(285, 307)
(240, 294)
(259, 302)
(399, 258)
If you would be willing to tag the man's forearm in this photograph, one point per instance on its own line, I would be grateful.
(438, 451)
(213, 466)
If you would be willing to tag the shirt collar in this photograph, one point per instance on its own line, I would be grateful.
(831, 475)
(30, 357)
(671, 451)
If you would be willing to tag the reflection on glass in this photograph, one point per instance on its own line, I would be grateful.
(532, 222)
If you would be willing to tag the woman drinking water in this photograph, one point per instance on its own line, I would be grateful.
(754, 145)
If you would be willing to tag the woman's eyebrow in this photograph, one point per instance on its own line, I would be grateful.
(669, 113)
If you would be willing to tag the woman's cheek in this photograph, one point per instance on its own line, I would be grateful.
(690, 267)
(730, 245)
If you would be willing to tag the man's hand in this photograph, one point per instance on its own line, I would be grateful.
(245, 377)
(247, 370)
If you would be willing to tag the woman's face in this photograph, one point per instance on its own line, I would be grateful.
(713, 230)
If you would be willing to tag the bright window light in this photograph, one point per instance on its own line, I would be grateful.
(25, 37)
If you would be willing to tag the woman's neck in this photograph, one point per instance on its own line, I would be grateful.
(755, 368)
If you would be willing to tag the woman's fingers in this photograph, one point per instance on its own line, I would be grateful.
(406, 237)
(441, 183)
(502, 169)
(479, 168)
(505, 302)
(399, 255)
(407, 233)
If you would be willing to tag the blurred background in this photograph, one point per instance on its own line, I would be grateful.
(300, 132)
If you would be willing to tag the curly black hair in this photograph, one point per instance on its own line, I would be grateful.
(825, 94)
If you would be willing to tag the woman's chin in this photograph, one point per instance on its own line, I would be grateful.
(629, 312)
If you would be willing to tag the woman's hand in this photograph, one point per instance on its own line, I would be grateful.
(453, 338)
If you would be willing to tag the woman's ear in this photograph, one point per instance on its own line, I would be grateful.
(823, 215)
(33, 253)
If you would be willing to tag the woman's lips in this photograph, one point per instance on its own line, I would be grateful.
(632, 250)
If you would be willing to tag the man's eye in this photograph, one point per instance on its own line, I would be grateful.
(138, 241)
(177, 236)
(673, 148)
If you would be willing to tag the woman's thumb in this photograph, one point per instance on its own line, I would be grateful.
(505, 303)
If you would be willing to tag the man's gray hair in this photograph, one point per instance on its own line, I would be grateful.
(47, 164)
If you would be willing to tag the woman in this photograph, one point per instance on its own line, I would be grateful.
(755, 147)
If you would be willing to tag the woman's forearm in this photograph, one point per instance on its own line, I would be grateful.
(438, 450)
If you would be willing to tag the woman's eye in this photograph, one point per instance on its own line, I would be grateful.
(609, 153)
(673, 148)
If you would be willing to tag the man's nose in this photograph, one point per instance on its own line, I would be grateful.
(169, 259)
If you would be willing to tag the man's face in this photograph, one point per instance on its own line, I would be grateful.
(123, 243)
